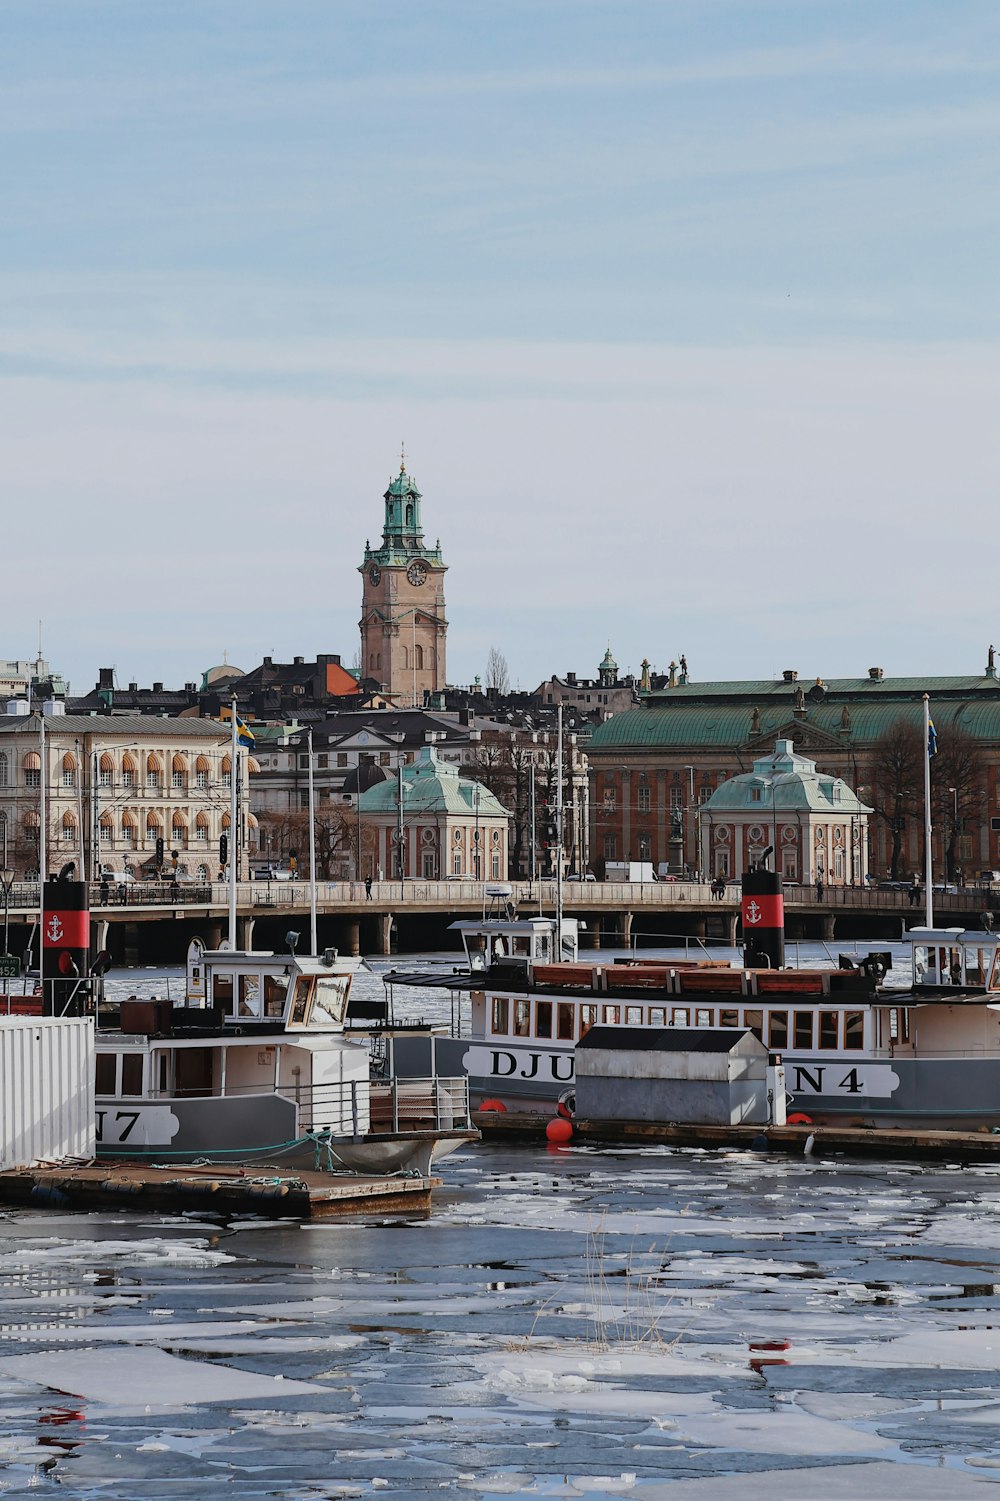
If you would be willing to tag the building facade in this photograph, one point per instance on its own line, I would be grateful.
(788, 817)
(654, 767)
(451, 825)
(403, 624)
(125, 794)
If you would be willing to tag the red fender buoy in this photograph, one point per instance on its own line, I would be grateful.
(798, 1119)
(559, 1131)
(497, 1105)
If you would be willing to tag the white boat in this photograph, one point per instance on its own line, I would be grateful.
(255, 1068)
(855, 1050)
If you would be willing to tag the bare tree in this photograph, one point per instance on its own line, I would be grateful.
(958, 788)
(897, 766)
(335, 839)
(497, 674)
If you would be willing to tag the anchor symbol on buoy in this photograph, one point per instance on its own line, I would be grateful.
(753, 913)
(54, 928)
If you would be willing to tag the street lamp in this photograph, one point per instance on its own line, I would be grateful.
(475, 799)
(692, 813)
(954, 827)
(6, 881)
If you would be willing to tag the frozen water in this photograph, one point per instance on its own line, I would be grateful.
(649, 1324)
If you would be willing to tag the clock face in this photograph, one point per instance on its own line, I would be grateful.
(374, 573)
(417, 573)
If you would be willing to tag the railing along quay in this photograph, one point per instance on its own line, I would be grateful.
(526, 897)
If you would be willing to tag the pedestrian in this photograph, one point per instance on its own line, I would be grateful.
(819, 888)
(914, 892)
(368, 887)
(105, 890)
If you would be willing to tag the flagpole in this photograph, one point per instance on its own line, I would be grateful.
(312, 849)
(928, 859)
(231, 867)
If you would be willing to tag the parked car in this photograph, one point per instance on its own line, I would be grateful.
(271, 873)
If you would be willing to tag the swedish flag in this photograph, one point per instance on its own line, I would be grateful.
(244, 734)
(931, 739)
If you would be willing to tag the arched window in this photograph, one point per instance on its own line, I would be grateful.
(406, 657)
(201, 769)
(107, 828)
(178, 771)
(154, 770)
(69, 769)
(130, 829)
(409, 515)
(178, 830)
(130, 770)
(32, 767)
(227, 771)
(4, 774)
(106, 770)
(418, 653)
(154, 825)
(69, 828)
(201, 828)
(225, 820)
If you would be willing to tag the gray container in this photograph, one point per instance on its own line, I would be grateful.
(706, 1076)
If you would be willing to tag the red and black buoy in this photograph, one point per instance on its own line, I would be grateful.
(66, 944)
(763, 914)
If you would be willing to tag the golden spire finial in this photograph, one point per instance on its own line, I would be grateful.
(402, 458)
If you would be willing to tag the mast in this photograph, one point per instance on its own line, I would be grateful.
(930, 736)
(42, 850)
(312, 849)
(233, 814)
(559, 832)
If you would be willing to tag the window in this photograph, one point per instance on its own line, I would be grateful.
(566, 1020)
(69, 776)
(456, 865)
(644, 847)
(756, 795)
(4, 773)
(32, 778)
(633, 1016)
(201, 832)
(802, 1029)
(828, 1029)
(676, 799)
(227, 780)
(777, 1029)
(105, 776)
(304, 799)
(588, 1018)
(522, 1017)
(495, 868)
(703, 1018)
(704, 793)
(177, 779)
(854, 1029)
(128, 778)
(610, 846)
(107, 832)
(657, 1016)
(612, 1015)
(543, 1018)
(322, 762)
(643, 799)
(304, 762)
(501, 1013)
(341, 758)
(729, 1018)
(754, 1022)
(383, 758)
(201, 779)
(152, 777)
(680, 1016)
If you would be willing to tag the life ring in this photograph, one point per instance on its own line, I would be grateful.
(797, 1118)
(566, 1106)
(496, 1105)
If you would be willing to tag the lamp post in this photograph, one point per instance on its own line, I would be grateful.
(692, 814)
(475, 837)
(954, 828)
(6, 881)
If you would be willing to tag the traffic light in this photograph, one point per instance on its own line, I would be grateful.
(159, 850)
(223, 849)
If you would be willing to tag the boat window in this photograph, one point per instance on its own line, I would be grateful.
(162, 1073)
(828, 1028)
(222, 992)
(104, 1077)
(680, 1016)
(132, 1074)
(301, 1001)
(854, 1029)
(588, 1017)
(633, 1016)
(995, 977)
(729, 1018)
(777, 1029)
(543, 1018)
(475, 947)
(754, 1022)
(331, 996)
(657, 1016)
(802, 1029)
(702, 1018)
(501, 1014)
(250, 995)
(975, 967)
(920, 963)
(275, 991)
(566, 1020)
(612, 1015)
(522, 1018)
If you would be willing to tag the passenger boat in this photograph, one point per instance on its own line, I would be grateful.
(855, 1050)
(255, 1067)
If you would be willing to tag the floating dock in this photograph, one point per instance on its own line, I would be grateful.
(271, 1192)
(900, 1144)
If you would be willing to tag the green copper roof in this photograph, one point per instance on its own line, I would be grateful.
(728, 726)
(785, 780)
(402, 532)
(431, 785)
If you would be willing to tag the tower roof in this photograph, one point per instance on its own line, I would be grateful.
(431, 785)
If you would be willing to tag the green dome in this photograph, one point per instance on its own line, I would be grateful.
(431, 785)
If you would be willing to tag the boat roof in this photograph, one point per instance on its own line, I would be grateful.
(503, 925)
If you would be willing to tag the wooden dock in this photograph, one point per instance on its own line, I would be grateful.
(271, 1192)
(895, 1144)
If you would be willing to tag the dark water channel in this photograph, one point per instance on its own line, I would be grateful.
(597, 1323)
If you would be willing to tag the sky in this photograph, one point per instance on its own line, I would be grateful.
(686, 312)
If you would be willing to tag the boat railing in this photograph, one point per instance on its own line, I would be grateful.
(434, 1103)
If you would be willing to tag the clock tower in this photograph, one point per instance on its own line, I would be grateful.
(403, 625)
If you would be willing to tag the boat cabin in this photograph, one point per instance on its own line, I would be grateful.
(947, 958)
(513, 945)
(244, 988)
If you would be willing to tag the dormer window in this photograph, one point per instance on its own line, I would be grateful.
(756, 794)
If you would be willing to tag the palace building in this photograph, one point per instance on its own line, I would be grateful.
(403, 625)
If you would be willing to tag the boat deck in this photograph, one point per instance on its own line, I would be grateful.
(269, 1191)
